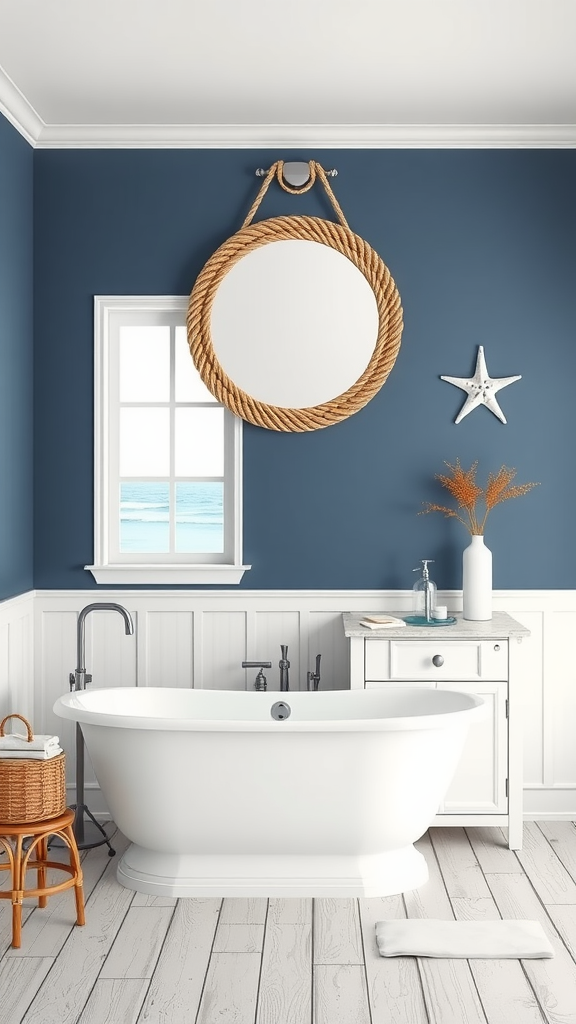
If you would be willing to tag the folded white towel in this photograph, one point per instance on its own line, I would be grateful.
(381, 622)
(17, 741)
(31, 755)
(483, 940)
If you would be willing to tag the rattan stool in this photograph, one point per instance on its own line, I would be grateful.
(12, 838)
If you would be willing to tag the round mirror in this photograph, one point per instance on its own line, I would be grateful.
(294, 323)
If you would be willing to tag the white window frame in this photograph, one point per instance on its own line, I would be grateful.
(111, 312)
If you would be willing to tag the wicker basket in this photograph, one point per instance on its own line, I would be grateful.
(31, 790)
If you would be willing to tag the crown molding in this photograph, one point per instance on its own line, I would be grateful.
(332, 136)
(40, 135)
(17, 110)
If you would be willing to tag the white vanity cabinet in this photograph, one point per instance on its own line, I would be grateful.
(478, 657)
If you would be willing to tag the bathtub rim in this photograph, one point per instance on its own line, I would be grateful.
(68, 706)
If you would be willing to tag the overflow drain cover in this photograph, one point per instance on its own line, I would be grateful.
(280, 710)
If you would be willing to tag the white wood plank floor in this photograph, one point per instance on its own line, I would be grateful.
(146, 960)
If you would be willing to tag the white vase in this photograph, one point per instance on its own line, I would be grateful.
(477, 580)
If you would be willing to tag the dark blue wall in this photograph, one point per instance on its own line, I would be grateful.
(16, 168)
(482, 247)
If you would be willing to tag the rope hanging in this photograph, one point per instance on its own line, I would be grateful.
(275, 171)
(252, 236)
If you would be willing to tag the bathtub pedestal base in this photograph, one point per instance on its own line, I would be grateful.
(166, 874)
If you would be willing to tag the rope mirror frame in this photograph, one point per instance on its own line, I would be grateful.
(315, 229)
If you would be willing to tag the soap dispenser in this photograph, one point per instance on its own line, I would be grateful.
(424, 593)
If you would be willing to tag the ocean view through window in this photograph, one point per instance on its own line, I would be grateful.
(167, 453)
(145, 517)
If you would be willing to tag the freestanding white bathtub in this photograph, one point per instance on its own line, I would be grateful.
(219, 798)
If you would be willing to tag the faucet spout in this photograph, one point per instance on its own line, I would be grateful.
(80, 677)
(284, 666)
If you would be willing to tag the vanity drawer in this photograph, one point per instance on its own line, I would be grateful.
(430, 660)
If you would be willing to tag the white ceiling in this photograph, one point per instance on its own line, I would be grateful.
(257, 72)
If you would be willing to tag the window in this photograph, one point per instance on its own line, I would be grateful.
(167, 454)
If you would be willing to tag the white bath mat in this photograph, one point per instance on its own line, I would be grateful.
(466, 940)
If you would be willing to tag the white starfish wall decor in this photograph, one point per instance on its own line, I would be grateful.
(481, 388)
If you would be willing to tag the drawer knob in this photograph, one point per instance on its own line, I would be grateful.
(438, 660)
(496, 647)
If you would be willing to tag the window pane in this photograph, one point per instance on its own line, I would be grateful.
(144, 442)
(189, 385)
(144, 520)
(200, 442)
(144, 364)
(200, 517)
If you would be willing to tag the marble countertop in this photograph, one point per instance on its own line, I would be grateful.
(499, 627)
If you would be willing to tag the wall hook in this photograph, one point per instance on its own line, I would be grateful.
(295, 173)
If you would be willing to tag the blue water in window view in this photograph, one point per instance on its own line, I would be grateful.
(145, 519)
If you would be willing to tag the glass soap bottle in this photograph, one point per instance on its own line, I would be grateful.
(424, 593)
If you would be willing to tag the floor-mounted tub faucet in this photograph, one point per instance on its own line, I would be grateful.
(78, 680)
(80, 677)
(284, 666)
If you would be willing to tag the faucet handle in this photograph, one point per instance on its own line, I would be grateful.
(314, 677)
(260, 682)
(79, 679)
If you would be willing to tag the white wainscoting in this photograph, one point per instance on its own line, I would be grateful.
(200, 639)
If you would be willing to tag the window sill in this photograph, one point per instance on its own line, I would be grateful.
(168, 575)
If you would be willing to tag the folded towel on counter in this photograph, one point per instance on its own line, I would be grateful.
(480, 940)
(31, 755)
(17, 741)
(381, 622)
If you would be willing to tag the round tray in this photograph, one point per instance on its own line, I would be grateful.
(419, 620)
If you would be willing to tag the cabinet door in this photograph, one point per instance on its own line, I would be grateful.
(479, 785)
